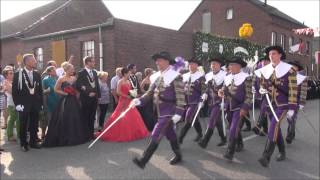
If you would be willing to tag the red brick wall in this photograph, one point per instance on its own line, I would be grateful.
(136, 42)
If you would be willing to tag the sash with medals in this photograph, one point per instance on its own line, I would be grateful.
(91, 81)
(30, 85)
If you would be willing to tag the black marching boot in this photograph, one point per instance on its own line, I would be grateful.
(248, 124)
(230, 150)
(152, 147)
(183, 132)
(239, 146)
(222, 137)
(177, 153)
(256, 129)
(204, 141)
(197, 127)
(282, 151)
(268, 150)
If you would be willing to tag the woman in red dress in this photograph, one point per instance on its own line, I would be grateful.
(131, 127)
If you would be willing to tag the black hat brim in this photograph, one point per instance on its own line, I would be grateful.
(277, 48)
(159, 56)
(294, 63)
(237, 61)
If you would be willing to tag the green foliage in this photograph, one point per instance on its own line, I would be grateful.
(228, 47)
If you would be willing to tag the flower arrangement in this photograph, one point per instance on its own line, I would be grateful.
(245, 30)
(70, 90)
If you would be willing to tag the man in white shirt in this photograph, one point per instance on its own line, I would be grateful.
(113, 87)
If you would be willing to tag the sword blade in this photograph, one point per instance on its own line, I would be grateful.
(253, 113)
(197, 112)
(223, 118)
(271, 107)
(112, 124)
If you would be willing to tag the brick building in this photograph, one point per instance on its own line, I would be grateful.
(62, 28)
(65, 27)
(271, 26)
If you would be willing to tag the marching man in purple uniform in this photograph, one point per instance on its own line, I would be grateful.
(302, 83)
(214, 81)
(195, 88)
(237, 91)
(278, 83)
(167, 93)
(261, 128)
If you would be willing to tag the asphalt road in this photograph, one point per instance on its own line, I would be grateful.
(114, 160)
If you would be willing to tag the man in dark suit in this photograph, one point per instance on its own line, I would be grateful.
(88, 85)
(27, 96)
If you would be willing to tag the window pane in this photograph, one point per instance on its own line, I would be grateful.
(230, 13)
(206, 22)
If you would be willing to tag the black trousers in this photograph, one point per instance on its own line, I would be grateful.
(89, 108)
(28, 119)
(103, 111)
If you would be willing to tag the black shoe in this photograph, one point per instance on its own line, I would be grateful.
(24, 148)
(281, 157)
(177, 153)
(230, 150)
(35, 146)
(204, 141)
(288, 139)
(256, 130)
(222, 143)
(152, 147)
(138, 163)
(264, 162)
(239, 147)
(267, 153)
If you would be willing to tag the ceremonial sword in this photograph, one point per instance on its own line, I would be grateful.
(113, 123)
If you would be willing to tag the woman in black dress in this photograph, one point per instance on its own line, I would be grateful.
(66, 126)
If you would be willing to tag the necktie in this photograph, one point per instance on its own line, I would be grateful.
(91, 74)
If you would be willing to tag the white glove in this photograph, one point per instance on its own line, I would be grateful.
(133, 93)
(253, 90)
(176, 118)
(290, 114)
(204, 96)
(136, 102)
(263, 91)
(301, 106)
(19, 108)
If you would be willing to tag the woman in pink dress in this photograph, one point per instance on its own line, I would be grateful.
(131, 127)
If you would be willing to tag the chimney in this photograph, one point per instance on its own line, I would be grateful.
(265, 2)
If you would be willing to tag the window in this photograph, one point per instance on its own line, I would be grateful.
(88, 48)
(283, 41)
(206, 22)
(229, 14)
(273, 38)
(38, 53)
(291, 41)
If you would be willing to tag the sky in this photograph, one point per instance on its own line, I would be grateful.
(168, 13)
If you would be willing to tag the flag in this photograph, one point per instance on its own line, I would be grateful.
(294, 48)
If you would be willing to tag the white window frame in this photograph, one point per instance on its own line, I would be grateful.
(229, 14)
(283, 41)
(88, 48)
(206, 21)
(273, 38)
(38, 53)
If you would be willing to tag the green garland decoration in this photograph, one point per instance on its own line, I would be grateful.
(228, 47)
